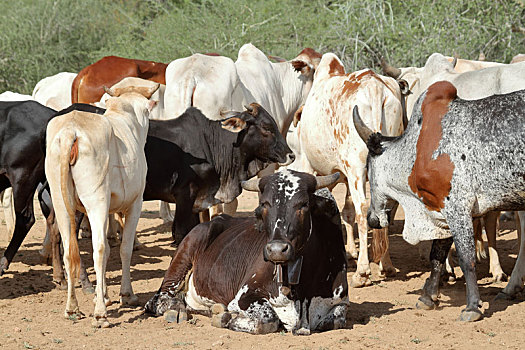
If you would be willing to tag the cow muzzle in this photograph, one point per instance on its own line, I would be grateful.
(290, 157)
(278, 252)
(373, 220)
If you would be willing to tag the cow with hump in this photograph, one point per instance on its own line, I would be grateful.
(285, 266)
(196, 162)
(328, 142)
(96, 164)
(437, 171)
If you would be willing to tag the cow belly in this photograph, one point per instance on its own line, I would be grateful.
(195, 301)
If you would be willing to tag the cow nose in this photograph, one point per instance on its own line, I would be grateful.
(373, 221)
(278, 251)
(290, 157)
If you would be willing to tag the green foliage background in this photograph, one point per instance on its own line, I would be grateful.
(39, 38)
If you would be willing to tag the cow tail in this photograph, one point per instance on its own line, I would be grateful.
(68, 157)
(380, 244)
(481, 253)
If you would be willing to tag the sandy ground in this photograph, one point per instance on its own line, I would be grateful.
(380, 316)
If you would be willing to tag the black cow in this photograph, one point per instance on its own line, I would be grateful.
(286, 265)
(22, 150)
(194, 162)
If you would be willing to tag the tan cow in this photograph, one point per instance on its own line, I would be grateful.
(96, 164)
(330, 143)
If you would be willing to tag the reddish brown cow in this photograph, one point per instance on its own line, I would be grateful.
(88, 86)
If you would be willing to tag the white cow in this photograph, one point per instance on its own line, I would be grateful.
(96, 164)
(55, 91)
(330, 143)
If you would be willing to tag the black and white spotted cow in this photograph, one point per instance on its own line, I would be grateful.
(457, 159)
(285, 266)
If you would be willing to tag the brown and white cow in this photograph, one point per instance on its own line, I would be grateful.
(96, 164)
(330, 143)
(88, 86)
(286, 265)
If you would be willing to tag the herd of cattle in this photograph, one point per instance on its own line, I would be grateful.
(444, 140)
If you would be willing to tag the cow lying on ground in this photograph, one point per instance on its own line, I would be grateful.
(286, 265)
(329, 142)
(96, 164)
(196, 162)
(437, 171)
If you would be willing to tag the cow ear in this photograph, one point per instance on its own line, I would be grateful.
(233, 124)
(302, 67)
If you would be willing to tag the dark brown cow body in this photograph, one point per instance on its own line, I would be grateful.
(88, 86)
(233, 262)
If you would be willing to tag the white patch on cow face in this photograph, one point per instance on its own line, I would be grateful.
(195, 301)
(287, 310)
(288, 183)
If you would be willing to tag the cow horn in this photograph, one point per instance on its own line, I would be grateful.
(363, 130)
(109, 91)
(389, 70)
(253, 108)
(325, 181)
(454, 61)
(251, 185)
(249, 108)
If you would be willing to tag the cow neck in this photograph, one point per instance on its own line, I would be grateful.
(295, 93)
(230, 163)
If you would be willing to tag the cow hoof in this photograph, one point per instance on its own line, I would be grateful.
(61, 285)
(218, 309)
(74, 315)
(176, 316)
(389, 271)
(500, 277)
(137, 246)
(425, 303)
(470, 316)
(85, 233)
(302, 331)
(352, 254)
(358, 281)
(503, 296)
(4, 264)
(221, 320)
(130, 300)
(113, 242)
(100, 322)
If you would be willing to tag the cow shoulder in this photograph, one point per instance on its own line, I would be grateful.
(431, 177)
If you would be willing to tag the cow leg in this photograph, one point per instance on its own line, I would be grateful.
(438, 255)
(460, 224)
(185, 219)
(9, 212)
(54, 238)
(258, 318)
(491, 220)
(518, 216)
(517, 277)
(348, 216)
(113, 230)
(85, 228)
(165, 212)
(362, 275)
(335, 319)
(46, 252)
(24, 220)
(126, 250)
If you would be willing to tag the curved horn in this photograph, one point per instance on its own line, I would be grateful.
(363, 130)
(325, 181)
(454, 61)
(109, 91)
(389, 70)
(251, 185)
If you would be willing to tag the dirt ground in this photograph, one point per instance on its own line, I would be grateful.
(382, 316)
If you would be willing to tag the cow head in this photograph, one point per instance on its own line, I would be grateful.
(259, 137)
(284, 215)
(381, 205)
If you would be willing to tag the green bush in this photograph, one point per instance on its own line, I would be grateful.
(39, 38)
